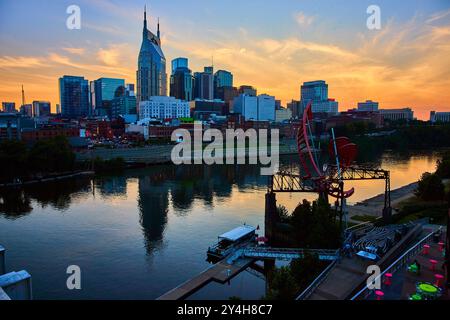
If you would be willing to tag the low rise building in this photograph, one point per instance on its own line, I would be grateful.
(436, 117)
(406, 114)
(162, 107)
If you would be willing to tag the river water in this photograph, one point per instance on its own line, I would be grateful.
(142, 233)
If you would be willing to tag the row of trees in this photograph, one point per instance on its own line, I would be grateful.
(19, 161)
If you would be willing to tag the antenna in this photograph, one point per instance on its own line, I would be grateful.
(23, 96)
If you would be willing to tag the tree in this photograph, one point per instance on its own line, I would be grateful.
(443, 166)
(13, 160)
(430, 187)
(283, 285)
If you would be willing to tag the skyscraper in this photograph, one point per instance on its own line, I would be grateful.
(222, 78)
(317, 93)
(124, 102)
(181, 80)
(74, 96)
(103, 91)
(151, 73)
(204, 84)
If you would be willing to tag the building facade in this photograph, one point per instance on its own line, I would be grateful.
(316, 92)
(436, 117)
(162, 108)
(282, 115)
(41, 108)
(124, 102)
(74, 96)
(9, 107)
(248, 90)
(204, 109)
(406, 114)
(260, 108)
(103, 91)
(181, 80)
(151, 73)
(222, 78)
(204, 84)
(368, 106)
(296, 109)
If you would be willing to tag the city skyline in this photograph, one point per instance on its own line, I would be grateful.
(396, 66)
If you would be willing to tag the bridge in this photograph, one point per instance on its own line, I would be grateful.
(262, 253)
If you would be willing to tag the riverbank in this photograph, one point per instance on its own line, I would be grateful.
(48, 179)
(373, 207)
(161, 154)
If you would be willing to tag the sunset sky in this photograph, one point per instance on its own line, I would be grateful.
(274, 45)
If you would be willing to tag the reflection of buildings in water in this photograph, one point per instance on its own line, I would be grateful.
(112, 186)
(16, 203)
(153, 202)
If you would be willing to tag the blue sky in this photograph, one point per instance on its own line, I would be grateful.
(273, 45)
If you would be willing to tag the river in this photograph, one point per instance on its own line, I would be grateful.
(144, 232)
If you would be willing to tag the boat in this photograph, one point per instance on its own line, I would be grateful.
(230, 241)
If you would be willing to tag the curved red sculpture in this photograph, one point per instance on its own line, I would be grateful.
(346, 152)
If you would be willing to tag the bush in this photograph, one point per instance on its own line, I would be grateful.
(443, 166)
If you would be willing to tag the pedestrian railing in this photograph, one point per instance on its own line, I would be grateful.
(400, 263)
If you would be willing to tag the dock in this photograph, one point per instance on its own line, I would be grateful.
(221, 272)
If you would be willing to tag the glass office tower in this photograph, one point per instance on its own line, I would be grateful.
(151, 73)
(74, 96)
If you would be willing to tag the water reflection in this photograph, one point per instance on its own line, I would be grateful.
(145, 221)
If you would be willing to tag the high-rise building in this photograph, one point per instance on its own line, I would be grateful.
(74, 96)
(151, 73)
(439, 116)
(316, 92)
(162, 108)
(181, 80)
(266, 108)
(41, 108)
(204, 84)
(9, 107)
(222, 78)
(124, 102)
(368, 106)
(247, 106)
(179, 63)
(260, 108)
(103, 91)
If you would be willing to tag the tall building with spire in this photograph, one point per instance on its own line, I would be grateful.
(151, 73)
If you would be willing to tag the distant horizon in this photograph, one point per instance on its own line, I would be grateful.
(405, 64)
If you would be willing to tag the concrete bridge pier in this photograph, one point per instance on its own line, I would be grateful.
(271, 216)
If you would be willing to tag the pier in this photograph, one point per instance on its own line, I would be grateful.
(221, 272)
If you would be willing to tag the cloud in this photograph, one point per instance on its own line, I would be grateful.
(437, 16)
(303, 20)
(20, 62)
(76, 51)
